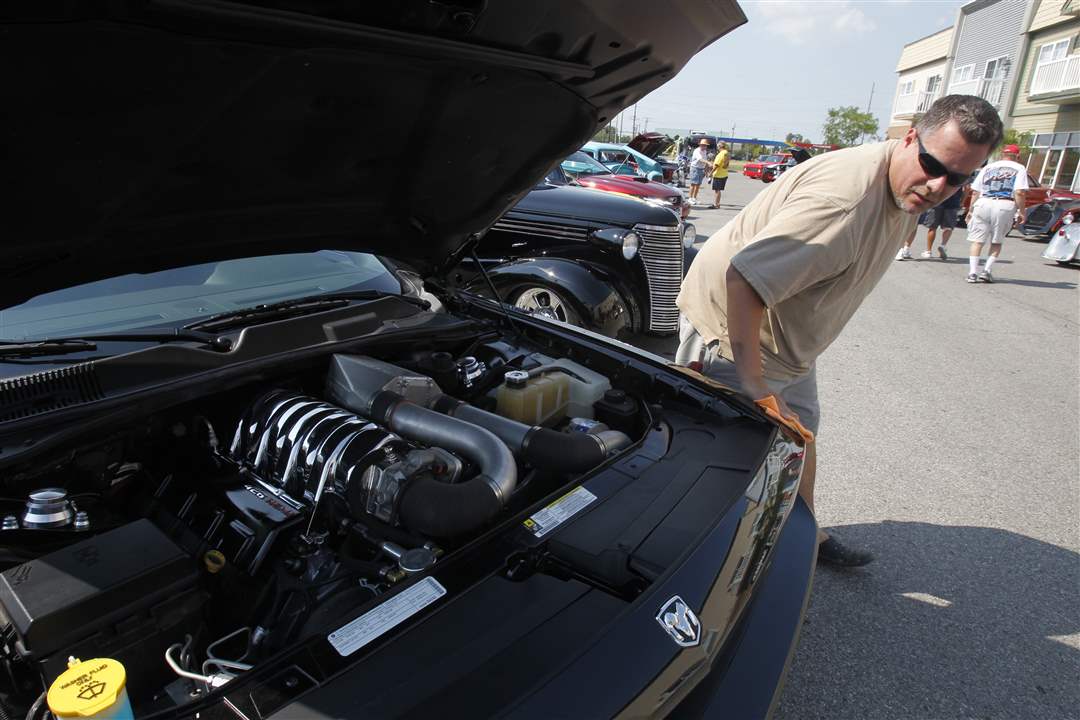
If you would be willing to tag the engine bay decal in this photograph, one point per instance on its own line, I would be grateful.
(354, 635)
(559, 511)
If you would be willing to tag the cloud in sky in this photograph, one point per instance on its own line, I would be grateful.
(799, 21)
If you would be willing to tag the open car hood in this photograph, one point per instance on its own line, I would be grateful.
(651, 144)
(143, 135)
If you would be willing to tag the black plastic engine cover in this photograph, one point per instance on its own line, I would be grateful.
(65, 596)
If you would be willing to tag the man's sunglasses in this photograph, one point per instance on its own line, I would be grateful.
(933, 167)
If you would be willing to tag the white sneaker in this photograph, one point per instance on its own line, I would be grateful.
(903, 254)
(941, 252)
(926, 254)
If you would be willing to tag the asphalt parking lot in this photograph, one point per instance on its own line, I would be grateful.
(950, 448)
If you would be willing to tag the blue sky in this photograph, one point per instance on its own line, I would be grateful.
(792, 61)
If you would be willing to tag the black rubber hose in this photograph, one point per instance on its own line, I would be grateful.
(440, 510)
(563, 452)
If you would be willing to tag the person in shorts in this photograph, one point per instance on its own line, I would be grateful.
(997, 195)
(943, 216)
(720, 173)
(699, 164)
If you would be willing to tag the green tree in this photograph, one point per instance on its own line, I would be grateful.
(1022, 139)
(794, 137)
(847, 124)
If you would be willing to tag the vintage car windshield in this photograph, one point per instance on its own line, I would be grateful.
(581, 164)
(770, 158)
(172, 298)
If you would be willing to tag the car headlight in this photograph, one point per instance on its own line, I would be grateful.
(689, 235)
(1066, 220)
(630, 245)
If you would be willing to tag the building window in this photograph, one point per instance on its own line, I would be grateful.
(1067, 173)
(907, 87)
(963, 73)
(1053, 51)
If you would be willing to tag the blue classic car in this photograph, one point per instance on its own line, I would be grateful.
(625, 160)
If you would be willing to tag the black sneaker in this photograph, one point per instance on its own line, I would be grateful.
(833, 552)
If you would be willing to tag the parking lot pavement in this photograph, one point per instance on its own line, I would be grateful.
(950, 448)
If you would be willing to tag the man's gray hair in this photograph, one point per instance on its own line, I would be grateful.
(979, 122)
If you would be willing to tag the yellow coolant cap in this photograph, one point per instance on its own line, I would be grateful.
(87, 687)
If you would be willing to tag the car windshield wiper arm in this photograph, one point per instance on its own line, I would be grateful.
(34, 348)
(86, 343)
(294, 308)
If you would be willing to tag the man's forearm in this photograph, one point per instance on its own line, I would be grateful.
(745, 311)
(1019, 197)
(971, 205)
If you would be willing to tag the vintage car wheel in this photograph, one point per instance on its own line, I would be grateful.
(545, 302)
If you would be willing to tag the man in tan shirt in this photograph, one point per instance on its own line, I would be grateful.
(775, 286)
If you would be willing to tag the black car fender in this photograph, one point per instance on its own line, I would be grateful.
(592, 295)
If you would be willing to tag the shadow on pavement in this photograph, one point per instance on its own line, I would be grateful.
(1035, 283)
(949, 622)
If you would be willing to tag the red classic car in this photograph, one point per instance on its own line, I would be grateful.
(588, 172)
(753, 169)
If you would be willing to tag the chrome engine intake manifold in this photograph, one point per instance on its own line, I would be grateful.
(305, 447)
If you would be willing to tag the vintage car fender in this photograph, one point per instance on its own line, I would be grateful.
(1064, 246)
(591, 292)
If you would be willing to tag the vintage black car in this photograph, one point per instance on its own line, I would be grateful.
(609, 263)
(247, 471)
(1043, 221)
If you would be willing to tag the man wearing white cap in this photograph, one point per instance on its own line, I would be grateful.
(997, 200)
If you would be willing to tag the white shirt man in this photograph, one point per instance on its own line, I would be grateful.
(997, 201)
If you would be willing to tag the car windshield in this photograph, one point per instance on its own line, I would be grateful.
(770, 158)
(582, 164)
(173, 298)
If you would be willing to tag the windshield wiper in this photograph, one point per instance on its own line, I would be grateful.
(64, 345)
(35, 348)
(294, 308)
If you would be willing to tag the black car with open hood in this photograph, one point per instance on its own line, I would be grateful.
(264, 453)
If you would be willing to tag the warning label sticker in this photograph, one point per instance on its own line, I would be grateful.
(559, 511)
(358, 633)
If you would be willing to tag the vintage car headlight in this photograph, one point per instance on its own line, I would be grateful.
(630, 245)
(1067, 219)
(689, 235)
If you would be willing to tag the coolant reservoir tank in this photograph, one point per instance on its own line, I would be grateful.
(540, 400)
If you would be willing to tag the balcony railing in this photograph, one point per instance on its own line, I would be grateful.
(914, 103)
(988, 90)
(1056, 76)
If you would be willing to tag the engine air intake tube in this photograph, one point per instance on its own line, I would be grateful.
(439, 509)
(540, 446)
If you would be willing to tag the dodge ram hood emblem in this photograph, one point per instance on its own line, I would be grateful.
(680, 622)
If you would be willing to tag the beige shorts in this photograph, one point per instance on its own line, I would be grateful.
(800, 394)
(991, 219)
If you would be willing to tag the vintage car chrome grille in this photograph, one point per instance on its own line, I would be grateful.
(542, 229)
(662, 252)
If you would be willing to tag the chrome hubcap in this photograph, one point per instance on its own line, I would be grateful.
(542, 302)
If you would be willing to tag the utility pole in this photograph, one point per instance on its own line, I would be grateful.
(862, 137)
(646, 126)
(633, 127)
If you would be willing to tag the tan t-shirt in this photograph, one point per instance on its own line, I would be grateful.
(813, 245)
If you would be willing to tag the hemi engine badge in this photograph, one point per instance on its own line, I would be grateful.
(680, 622)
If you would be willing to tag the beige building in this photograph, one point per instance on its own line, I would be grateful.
(921, 73)
(1046, 101)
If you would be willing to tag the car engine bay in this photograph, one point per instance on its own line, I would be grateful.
(199, 541)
